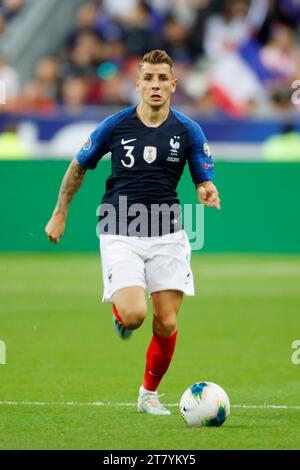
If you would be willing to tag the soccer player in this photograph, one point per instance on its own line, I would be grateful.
(149, 144)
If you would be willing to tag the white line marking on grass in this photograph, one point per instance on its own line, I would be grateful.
(263, 407)
(124, 404)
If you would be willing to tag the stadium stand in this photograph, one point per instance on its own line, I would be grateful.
(215, 44)
(211, 42)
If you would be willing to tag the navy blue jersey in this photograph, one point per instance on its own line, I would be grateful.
(147, 162)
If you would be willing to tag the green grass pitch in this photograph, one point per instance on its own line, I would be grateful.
(63, 356)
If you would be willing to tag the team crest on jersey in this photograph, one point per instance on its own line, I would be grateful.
(206, 149)
(175, 144)
(87, 145)
(150, 154)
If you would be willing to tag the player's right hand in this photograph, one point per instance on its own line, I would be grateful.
(55, 228)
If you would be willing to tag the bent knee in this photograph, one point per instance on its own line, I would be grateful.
(133, 316)
(165, 326)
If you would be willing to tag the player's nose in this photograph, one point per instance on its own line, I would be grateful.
(155, 85)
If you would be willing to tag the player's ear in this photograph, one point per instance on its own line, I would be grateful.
(174, 84)
(137, 83)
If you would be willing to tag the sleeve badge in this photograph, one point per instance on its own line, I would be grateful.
(206, 149)
(87, 145)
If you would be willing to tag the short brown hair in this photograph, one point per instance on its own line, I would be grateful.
(156, 57)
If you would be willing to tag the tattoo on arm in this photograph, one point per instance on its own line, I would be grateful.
(70, 184)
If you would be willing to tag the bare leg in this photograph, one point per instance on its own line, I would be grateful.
(131, 306)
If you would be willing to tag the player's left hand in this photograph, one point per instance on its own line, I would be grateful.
(208, 194)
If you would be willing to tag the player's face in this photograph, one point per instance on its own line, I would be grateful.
(155, 83)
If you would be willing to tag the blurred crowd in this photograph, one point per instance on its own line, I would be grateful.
(8, 9)
(232, 57)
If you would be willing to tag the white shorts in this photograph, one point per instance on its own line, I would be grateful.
(154, 263)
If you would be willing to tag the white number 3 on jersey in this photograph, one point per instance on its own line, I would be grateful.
(129, 155)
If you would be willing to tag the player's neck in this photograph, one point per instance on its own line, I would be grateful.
(152, 117)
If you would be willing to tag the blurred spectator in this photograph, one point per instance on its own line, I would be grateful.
(189, 11)
(238, 20)
(285, 12)
(182, 96)
(10, 78)
(284, 146)
(11, 147)
(74, 94)
(176, 36)
(85, 21)
(136, 30)
(42, 92)
(119, 8)
(2, 23)
(47, 72)
(128, 87)
(280, 53)
(281, 99)
(112, 90)
(9, 9)
(280, 58)
(88, 50)
(212, 42)
(201, 13)
(162, 6)
(34, 99)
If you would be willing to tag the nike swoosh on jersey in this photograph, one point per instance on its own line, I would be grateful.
(124, 142)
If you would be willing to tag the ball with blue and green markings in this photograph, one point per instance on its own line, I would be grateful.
(204, 404)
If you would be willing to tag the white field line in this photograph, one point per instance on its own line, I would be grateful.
(124, 404)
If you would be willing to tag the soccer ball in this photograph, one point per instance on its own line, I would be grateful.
(204, 404)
